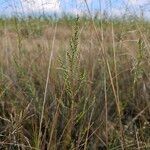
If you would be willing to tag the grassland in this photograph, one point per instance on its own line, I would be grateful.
(74, 83)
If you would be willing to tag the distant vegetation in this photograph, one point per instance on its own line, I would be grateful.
(74, 83)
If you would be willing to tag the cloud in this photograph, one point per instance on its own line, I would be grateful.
(118, 12)
(139, 2)
(41, 5)
(83, 1)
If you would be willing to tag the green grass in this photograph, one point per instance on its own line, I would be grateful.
(74, 83)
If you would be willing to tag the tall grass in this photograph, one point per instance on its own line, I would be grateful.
(74, 83)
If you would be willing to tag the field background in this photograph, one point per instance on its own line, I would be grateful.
(75, 82)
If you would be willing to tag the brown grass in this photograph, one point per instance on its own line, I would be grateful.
(91, 92)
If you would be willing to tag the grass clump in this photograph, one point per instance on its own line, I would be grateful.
(74, 83)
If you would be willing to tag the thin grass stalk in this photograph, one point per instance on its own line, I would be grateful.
(54, 122)
(88, 130)
(117, 87)
(46, 86)
(106, 112)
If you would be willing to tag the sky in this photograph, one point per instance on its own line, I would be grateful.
(112, 7)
